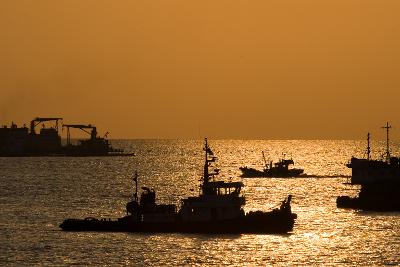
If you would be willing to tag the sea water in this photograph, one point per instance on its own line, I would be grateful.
(38, 193)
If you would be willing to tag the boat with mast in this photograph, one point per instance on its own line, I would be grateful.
(278, 169)
(379, 180)
(217, 209)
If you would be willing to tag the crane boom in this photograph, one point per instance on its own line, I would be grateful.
(39, 120)
(79, 126)
(83, 127)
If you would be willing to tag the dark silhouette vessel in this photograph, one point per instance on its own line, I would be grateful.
(217, 209)
(22, 142)
(94, 146)
(379, 180)
(280, 169)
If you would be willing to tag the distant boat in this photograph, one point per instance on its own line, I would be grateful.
(279, 169)
(23, 142)
(94, 146)
(217, 209)
(379, 180)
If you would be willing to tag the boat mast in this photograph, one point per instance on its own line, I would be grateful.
(368, 148)
(206, 174)
(135, 179)
(387, 127)
(265, 161)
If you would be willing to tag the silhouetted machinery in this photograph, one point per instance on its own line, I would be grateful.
(36, 121)
(47, 140)
(93, 146)
(21, 141)
(92, 133)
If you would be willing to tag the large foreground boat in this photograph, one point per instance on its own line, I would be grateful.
(379, 180)
(217, 209)
(21, 142)
(280, 169)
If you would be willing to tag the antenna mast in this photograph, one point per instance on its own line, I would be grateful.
(135, 179)
(265, 161)
(207, 150)
(368, 147)
(387, 127)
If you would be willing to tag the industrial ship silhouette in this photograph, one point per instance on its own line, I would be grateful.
(217, 209)
(21, 142)
(379, 180)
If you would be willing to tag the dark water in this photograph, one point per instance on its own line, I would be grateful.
(36, 194)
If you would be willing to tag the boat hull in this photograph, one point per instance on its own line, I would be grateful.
(357, 203)
(373, 197)
(254, 173)
(266, 223)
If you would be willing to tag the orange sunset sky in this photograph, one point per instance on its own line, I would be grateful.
(187, 69)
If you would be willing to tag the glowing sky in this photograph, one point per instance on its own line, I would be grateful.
(187, 69)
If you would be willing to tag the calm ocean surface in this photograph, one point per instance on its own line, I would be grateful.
(37, 194)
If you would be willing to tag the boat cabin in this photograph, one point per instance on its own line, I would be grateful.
(218, 201)
(221, 188)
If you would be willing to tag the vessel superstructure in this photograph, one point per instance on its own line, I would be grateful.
(368, 170)
(379, 180)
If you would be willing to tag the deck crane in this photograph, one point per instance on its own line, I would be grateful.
(83, 127)
(36, 121)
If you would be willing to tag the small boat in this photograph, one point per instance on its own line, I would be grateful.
(217, 209)
(278, 169)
